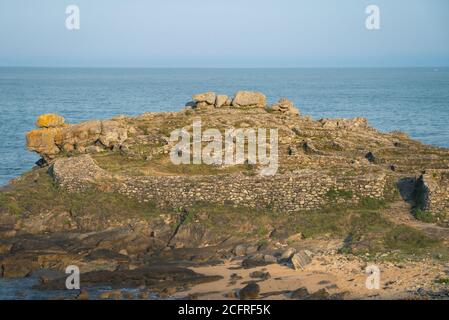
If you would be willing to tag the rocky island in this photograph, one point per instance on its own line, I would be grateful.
(106, 197)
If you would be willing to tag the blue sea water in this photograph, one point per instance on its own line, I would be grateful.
(414, 100)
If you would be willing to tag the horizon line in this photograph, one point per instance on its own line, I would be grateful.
(231, 67)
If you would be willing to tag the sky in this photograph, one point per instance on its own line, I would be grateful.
(224, 33)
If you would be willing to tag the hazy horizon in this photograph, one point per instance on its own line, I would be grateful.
(224, 34)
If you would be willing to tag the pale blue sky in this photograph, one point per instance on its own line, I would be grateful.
(224, 33)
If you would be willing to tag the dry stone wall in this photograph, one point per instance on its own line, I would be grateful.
(283, 192)
(436, 190)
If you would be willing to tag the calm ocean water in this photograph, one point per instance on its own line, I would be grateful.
(412, 100)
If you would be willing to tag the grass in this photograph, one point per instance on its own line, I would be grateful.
(444, 281)
(162, 166)
(408, 240)
(424, 216)
(334, 194)
(36, 193)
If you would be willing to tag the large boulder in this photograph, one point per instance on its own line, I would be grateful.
(207, 97)
(49, 120)
(44, 141)
(249, 99)
(284, 106)
(221, 101)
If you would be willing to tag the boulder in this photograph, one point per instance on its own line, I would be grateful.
(284, 106)
(250, 291)
(300, 294)
(43, 141)
(287, 254)
(49, 120)
(260, 275)
(112, 134)
(249, 99)
(300, 260)
(221, 101)
(208, 97)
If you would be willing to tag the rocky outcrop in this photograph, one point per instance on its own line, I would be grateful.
(57, 138)
(249, 99)
(241, 99)
(344, 123)
(284, 106)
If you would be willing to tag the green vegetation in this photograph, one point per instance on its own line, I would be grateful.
(408, 240)
(36, 194)
(444, 281)
(338, 193)
(364, 227)
(424, 216)
(161, 165)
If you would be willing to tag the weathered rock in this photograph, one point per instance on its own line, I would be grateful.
(112, 134)
(300, 260)
(50, 142)
(269, 258)
(249, 99)
(260, 275)
(300, 294)
(284, 106)
(254, 261)
(208, 97)
(239, 250)
(321, 294)
(344, 123)
(220, 101)
(287, 254)
(154, 278)
(50, 120)
(250, 291)
(44, 141)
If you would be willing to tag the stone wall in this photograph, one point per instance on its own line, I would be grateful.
(435, 197)
(284, 192)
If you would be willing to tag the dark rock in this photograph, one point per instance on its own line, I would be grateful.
(250, 291)
(155, 278)
(321, 294)
(370, 157)
(254, 262)
(260, 275)
(300, 294)
(105, 254)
